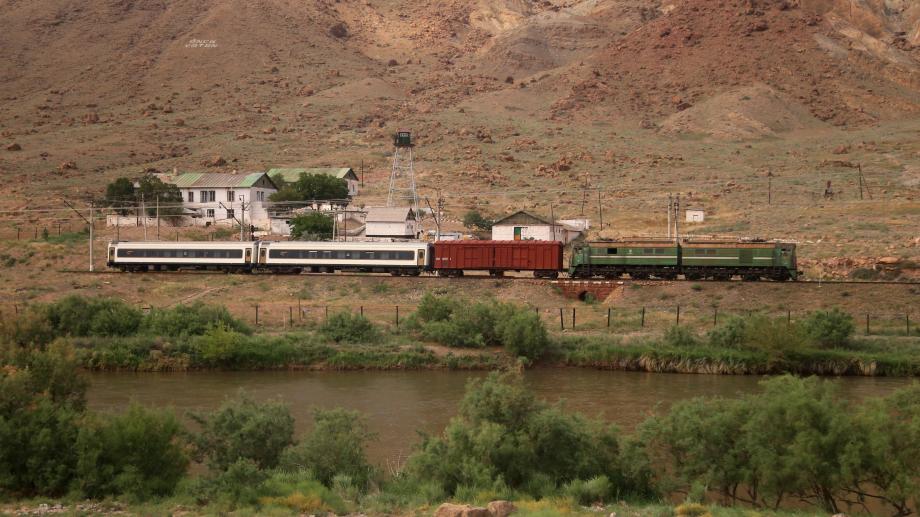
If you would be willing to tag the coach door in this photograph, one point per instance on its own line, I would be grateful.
(263, 254)
(421, 258)
(248, 255)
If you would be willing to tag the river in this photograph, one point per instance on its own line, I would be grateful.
(398, 404)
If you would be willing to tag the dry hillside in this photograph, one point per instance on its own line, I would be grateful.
(515, 103)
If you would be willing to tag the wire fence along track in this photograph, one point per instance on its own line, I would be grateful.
(585, 319)
(429, 276)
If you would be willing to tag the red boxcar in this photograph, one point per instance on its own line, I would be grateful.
(544, 258)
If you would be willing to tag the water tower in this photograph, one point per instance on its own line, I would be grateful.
(402, 176)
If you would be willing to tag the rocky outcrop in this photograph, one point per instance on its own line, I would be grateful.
(494, 509)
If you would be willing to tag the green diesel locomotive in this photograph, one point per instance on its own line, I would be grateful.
(695, 259)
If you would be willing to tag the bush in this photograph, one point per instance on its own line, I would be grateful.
(829, 328)
(241, 483)
(299, 492)
(589, 492)
(335, 447)
(243, 429)
(41, 400)
(138, 453)
(505, 439)
(191, 320)
(679, 337)
(524, 335)
(759, 333)
(345, 327)
(476, 325)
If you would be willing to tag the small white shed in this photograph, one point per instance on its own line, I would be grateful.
(391, 222)
(695, 215)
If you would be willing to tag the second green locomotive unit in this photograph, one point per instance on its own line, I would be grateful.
(695, 259)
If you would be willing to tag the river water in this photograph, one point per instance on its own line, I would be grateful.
(398, 404)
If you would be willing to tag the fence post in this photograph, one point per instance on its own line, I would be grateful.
(561, 320)
(257, 315)
(299, 310)
(788, 317)
(867, 323)
(608, 317)
(326, 311)
(397, 317)
(907, 321)
(573, 318)
(715, 316)
(18, 229)
(362, 310)
(643, 317)
(36, 234)
(678, 315)
(290, 316)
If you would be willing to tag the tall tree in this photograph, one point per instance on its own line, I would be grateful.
(312, 187)
(152, 189)
(120, 195)
(312, 226)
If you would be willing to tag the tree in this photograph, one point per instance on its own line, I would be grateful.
(476, 221)
(151, 189)
(335, 447)
(243, 429)
(312, 226)
(312, 187)
(120, 195)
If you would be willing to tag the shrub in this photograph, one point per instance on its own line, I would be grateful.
(436, 308)
(41, 400)
(524, 335)
(138, 453)
(335, 447)
(243, 429)
(505, 439)
(241, 483)
(592, 491)
(191, 320)
(829, 328)
(345, 327)
(299, 492)
(760, 333)
(677, 336)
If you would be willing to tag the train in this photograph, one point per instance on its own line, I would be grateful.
(691, 258)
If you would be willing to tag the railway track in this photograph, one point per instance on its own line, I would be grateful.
(515, 278)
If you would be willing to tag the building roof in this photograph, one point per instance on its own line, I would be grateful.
(521, 217)
(383, 214)
(220, 180)
(292, 174)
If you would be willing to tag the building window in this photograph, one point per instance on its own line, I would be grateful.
(230, 213)
(207, 196)
(211, 212)
(191, 196)
(231, 195)
(260, 195)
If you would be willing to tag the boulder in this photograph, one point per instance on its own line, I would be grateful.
(14, 147)
(501, 508)
(460, 510)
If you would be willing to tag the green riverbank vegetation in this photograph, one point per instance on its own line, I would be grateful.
(796, 440)
(451, 333)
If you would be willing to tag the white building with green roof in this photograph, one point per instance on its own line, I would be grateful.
(226, 199)
(292, 174)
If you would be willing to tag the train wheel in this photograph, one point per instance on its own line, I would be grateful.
(396, 272)
(638, 275)
(750, 277)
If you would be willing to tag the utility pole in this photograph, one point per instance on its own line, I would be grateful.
(600, 209)
(770, 187)
(242, 216)
(158, 217)
(362, 173)
(144, 215)
(677, 219)
(584, 195)
(92, 206)
(670, 209)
